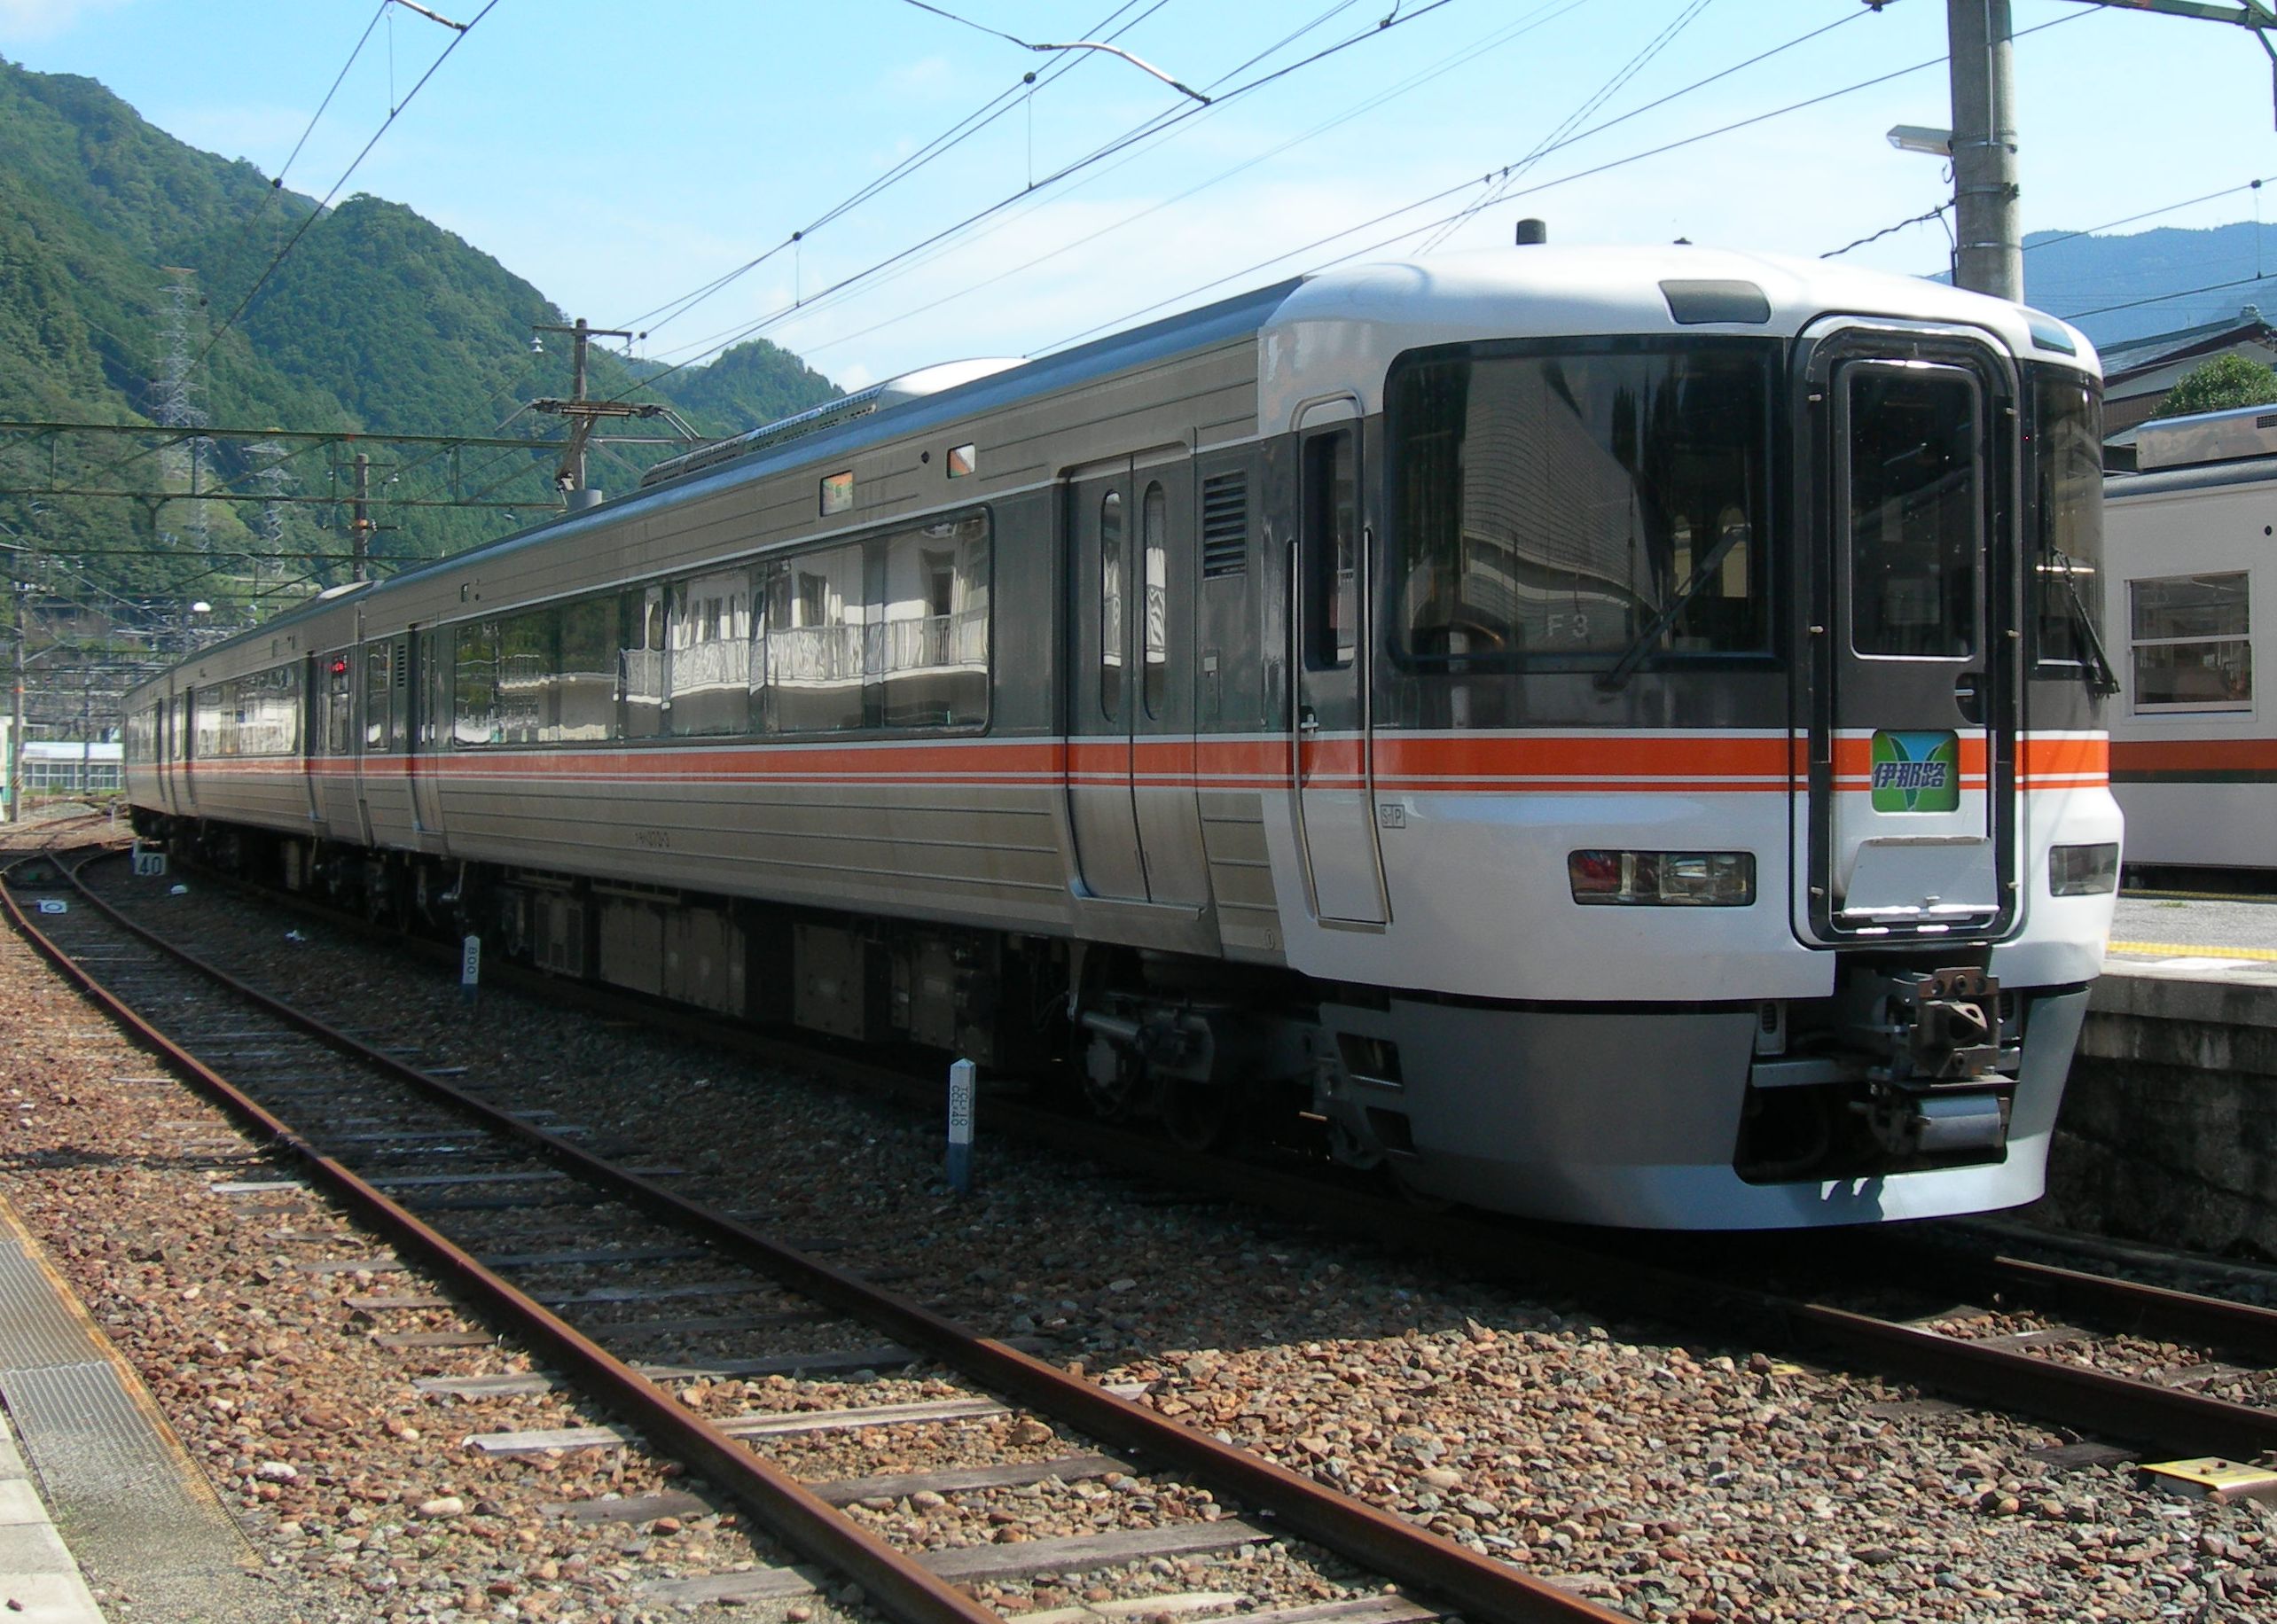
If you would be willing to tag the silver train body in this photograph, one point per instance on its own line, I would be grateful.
(1604, 733)
(2192, 617)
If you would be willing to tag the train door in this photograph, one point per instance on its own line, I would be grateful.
(163, 747)
(314, 685)
(1103, 698)
(1909, 826)
(185, 760)
(428, 689)
(1331, 749)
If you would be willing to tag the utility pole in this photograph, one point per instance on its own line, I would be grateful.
(1990, 257)
(360, 526)
(582, 413)
(16, 731)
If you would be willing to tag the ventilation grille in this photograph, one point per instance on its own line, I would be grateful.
(1225, 525)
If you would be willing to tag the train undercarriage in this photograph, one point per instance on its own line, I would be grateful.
(1912, 1066)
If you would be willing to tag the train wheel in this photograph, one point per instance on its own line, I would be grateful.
(1116, 1082)
(1202, 1116)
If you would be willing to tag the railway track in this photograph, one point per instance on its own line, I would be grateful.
(595, 1266)
(2066, 1346)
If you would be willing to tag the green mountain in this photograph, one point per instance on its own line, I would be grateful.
(114, 237)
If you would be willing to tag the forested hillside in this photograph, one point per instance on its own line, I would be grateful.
(378, 322)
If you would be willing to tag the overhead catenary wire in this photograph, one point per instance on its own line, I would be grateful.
(962, 130)
(1036, 199)
(1072, 167)
(316, 214)
(1441, 195)
(1501, 182)
(1541, 16)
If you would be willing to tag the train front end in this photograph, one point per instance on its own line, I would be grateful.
(1702, 801)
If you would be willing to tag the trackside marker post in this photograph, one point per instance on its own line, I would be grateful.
(960, 1126)
(470, 968)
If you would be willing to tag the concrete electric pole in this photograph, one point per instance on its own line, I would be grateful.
(580, 411)
(1990, 256)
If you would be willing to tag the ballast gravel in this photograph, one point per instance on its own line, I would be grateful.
(1667, 1479)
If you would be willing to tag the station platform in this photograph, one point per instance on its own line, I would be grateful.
(2168, 1127)
(82, 1444)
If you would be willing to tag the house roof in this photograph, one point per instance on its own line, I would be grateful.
(2135, 355)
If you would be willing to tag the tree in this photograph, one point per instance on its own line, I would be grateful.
(2218, 385)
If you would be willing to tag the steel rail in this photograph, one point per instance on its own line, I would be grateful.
(2075, 1397)
(902, 1588)
(1481, 1587)
(2134, 1305)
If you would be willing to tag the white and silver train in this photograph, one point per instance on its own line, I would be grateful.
(2190, 550)
(1611, 735)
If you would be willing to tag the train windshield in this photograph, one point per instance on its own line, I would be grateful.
(2066, 484)
(1552, 507)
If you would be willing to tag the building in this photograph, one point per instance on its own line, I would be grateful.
(2138, 373)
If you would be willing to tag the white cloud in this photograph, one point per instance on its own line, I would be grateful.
(22, 22)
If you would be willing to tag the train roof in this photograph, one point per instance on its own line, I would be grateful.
(1334, 327)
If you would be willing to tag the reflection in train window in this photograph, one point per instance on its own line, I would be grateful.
(1110, 605)
(934, 625)
(1549, 506)
(1153, 529)
(813, 672)
(710, 670)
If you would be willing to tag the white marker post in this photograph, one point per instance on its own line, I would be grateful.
(470, 968)
(960, 1126)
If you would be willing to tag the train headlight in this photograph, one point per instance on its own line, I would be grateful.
(2084, 870)
(1662, 879)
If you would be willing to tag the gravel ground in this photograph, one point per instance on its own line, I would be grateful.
(1695, 1481)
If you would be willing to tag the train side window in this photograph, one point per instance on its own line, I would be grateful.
(379, 689)
(1332, 551)
(474, 684)
(2192, 643)
(1110, 604)
(527, 661)
(339, 704)
(584, 674)
(641, 658)
(711, 653)
(1154, 538)
(813, 668)
(935, 625)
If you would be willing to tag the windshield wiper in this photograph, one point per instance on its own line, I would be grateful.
(2098, 675)
(1617, 676)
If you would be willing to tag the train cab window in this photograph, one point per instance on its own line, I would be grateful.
(2067, 483)
(1110, 605)
(711, 654)
(2192, 643)
(1548, 507)
(1916, 510)
(1332, 551)
(933, 653)
(1154, 535)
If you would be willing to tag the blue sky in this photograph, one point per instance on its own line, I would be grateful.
(619, 155)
